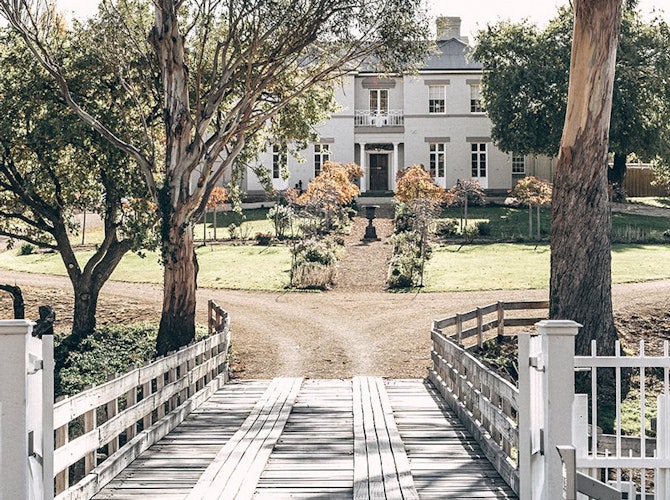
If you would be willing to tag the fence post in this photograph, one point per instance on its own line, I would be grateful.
(14, 479)
(558, 353)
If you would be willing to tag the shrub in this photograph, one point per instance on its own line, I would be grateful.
(233, 230)
(313, 264)
(263, 239)
(447, 228)
(483, 228)
(26, 249)
(470, 232)
(281, 217)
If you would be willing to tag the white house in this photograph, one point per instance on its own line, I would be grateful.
(433, 118)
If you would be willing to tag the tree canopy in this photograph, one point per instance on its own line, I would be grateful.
(53, 166)
(226, 76)
(525, 86)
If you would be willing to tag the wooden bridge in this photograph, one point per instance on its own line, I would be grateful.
(327, 439)
(178, 428)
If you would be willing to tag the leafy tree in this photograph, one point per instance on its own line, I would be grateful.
(414, 183)
(217, 199)
(532, 192)
(581, 282)
(331, 191)
(525, 87)
(226, 72)
(52, 166)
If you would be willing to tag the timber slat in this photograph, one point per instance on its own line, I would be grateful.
(327, 439)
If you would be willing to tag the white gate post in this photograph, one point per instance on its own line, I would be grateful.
(558, 353)
(14, 335)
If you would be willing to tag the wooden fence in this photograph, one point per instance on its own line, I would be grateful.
(99, 431)
(486, 403)
(637, 182)
(475, 323)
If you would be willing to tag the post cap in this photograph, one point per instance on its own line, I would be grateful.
(558, 327)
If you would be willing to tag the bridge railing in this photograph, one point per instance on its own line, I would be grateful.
(486, 403)
(102, 429)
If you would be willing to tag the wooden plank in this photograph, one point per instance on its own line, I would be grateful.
(378, 443)
(239, 465)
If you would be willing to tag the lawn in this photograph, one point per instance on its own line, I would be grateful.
(510, 224)
(506, 266)
(221, 266)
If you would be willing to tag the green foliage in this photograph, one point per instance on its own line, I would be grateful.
(26, 249)
(526, 83)
(447, 228)
(313, 264)
(483, 228)
(281, 217)
(263, 239)
(106, 352)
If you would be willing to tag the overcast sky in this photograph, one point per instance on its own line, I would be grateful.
(475, 14)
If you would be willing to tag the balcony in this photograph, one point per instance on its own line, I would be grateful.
(390, 118)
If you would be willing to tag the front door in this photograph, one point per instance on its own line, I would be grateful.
(379, 172)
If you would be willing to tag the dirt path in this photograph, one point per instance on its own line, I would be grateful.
(334, 334)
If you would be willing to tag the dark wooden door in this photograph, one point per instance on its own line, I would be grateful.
(379, 172)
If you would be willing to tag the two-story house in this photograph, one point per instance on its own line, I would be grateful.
(433, 118)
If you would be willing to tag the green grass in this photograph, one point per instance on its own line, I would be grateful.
(236, 267)
(510, 224)
(506, 266)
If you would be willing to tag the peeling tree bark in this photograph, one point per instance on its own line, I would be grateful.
(581, 283)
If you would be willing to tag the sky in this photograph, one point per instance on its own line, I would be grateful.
(474, 14)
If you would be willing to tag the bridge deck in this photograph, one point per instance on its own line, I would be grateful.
(328, 439)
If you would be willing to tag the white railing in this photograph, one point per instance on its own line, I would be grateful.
(102, 429)
(486, 404)
(391, 118)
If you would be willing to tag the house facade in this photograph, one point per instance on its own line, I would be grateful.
(387, 123)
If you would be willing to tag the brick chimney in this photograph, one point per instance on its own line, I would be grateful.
(448, 28)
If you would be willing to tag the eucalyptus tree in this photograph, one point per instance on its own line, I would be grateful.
(581, 280)
(52, 165)
(227, 71)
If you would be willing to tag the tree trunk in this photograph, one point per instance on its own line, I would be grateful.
(539, 232)
(616, 176)
(85, 309)
(177, 327)
(581, 285)
(530, 221)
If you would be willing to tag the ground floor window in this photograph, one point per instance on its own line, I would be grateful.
(518, 164)
(321, 156)
(437, 160)
(279, 161)
(478, 159)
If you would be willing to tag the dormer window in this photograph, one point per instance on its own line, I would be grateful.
(436, 99)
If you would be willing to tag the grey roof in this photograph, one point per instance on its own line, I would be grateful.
(451, 54)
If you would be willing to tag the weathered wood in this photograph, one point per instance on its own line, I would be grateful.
(238, 466)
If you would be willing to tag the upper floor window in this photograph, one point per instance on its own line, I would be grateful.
(475, 99)
(379, 101)
(478, 159)
(437, 161)
(279, 161)
(436, 99)
(518, 164)
(321, 156)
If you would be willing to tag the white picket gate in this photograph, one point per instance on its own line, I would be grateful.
(552, 416)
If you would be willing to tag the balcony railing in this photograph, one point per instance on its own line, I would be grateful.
(391, 118)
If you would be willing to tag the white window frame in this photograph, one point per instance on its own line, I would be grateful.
(475, 99)
(437, 99)
(321, 156)
(379, 101)
(479, 160)
(518, 164)
(437, 162)
(279, 160)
